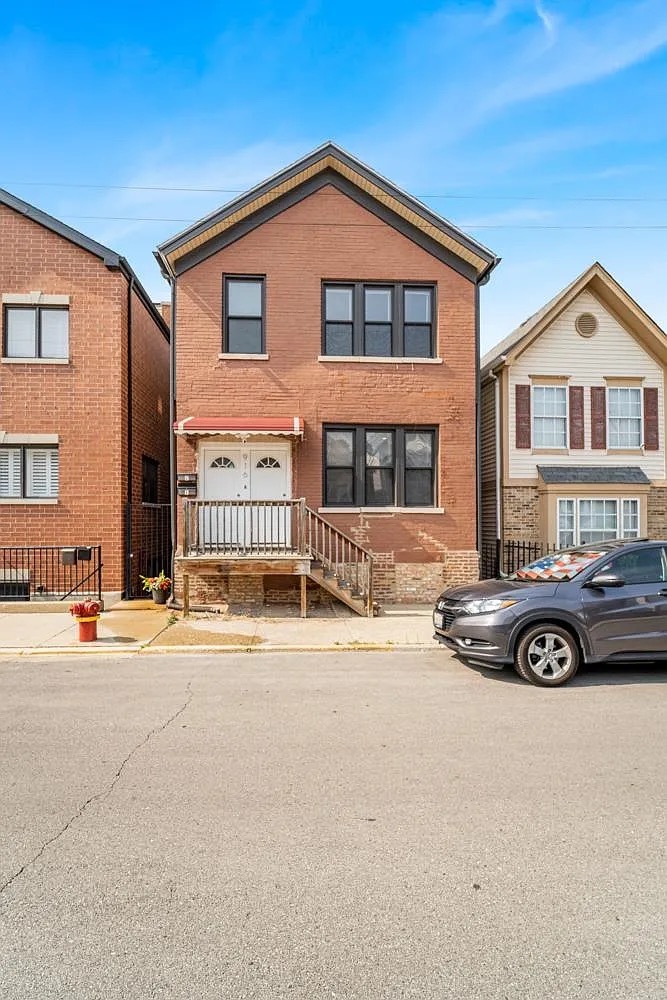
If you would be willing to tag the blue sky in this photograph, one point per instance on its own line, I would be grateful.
(539, 126)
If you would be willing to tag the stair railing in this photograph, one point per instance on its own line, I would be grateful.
(340, 556)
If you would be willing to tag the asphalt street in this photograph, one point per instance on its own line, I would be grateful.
(353, 825)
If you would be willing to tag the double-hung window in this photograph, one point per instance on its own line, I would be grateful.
(376, 320)
(549, 416)
(36, 332)
(379, 466)
(28, 473)
(586, 520)
(624, 417)
(244, 315)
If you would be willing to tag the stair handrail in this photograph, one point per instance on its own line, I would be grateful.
(338, 553)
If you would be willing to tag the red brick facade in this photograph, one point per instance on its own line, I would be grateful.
(329, 236)
(84, 400)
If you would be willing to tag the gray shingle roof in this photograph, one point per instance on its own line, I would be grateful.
(592, 474)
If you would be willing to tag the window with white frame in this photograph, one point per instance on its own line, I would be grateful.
(28, 473)
(593, 520)
(549, 416)
(36, 332)
(624, 416)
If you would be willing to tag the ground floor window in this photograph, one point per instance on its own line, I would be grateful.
(28, 473)
(377, 466)
(593, 520)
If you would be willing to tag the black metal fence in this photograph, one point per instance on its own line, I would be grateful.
(502, 558)
(50, 572)
(151, 542)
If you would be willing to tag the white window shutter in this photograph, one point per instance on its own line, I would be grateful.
(10, 472)
(42, 469)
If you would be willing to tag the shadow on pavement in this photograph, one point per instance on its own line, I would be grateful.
(588, 675)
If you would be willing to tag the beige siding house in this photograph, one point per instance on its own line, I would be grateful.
(573, 421)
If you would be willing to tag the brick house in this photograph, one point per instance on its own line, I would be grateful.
(325, 362)
(84, 398)
(573, 421)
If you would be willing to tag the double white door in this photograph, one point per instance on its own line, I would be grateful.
(248, 473)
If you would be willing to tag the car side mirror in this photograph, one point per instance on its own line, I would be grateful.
(603, 580)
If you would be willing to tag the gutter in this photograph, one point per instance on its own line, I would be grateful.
(496, 405)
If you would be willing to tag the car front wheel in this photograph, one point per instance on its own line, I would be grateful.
(546, 655)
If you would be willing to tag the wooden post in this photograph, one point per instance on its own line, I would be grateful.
(304, 596)
(186, 595)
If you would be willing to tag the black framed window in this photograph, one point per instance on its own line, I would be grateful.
(36, 331)
(244, 309)
(377, 466)
(149, 479)
(378, 320)
(28, 473)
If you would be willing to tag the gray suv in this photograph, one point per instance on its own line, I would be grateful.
(601, 601)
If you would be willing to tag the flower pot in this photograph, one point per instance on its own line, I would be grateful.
(160, 596)
(88, 628)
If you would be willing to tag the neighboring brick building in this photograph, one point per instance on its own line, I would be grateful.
(573, 421)
(84, 395)
(325, 345)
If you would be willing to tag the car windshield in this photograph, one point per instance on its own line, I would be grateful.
(557, 566)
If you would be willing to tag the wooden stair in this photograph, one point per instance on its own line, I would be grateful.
(340, 589)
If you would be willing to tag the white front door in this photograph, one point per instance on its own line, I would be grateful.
(238, 472)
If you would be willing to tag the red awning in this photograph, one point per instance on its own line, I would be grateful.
(241, 426)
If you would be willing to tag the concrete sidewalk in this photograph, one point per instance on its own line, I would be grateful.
(142, 627)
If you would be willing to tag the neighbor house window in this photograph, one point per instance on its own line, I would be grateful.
(373, 320)
(379, 466)
(582, 521)
(149, 479)
(549, 416)
(28, 473)
(624, 416)
(244, 316)
(36, 332)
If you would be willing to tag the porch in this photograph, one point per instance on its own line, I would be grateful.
(274, 538)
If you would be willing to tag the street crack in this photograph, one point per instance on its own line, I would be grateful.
(102, 794)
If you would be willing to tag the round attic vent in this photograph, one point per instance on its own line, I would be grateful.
(586, 324)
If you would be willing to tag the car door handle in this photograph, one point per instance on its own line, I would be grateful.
(663, 593)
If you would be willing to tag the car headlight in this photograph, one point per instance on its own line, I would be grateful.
(485, 606)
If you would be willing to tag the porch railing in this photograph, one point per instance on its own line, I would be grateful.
(246, 528)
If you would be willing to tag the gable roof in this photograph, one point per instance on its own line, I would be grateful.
(110, 258)
(328, 164)
(612, 296)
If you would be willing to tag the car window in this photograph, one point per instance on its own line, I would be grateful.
(557, 566)
(638, 566)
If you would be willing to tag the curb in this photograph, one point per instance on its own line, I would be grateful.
(344, 647)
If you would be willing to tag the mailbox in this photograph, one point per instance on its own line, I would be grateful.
(84, 553)
(68, 557)
(186, 484)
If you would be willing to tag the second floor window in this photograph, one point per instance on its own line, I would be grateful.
(383, 321)
(36, 332)
(549, 416)
(624, 415)
(244, 316)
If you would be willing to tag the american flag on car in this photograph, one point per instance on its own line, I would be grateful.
(559, 566)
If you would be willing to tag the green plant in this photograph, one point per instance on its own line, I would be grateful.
(159, 582)
(85, 609)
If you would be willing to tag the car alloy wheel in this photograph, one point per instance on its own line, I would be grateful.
(547, 655)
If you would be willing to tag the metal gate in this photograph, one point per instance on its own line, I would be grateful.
(151, 543)
(50, 572)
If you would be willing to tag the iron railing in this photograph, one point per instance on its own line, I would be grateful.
(50, 572)
(502, 558)
(246, 528)
(151, 542)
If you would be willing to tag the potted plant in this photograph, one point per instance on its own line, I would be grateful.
(159, 586)
(87, 614)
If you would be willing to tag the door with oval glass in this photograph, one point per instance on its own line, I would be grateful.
(241, 474)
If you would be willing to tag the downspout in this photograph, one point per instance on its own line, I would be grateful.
(172, 417)
(478, 422)
(130, 464)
